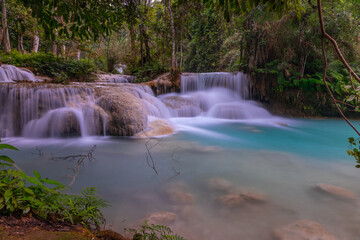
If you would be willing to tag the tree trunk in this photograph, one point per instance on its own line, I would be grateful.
(181, 54)
(132, 41)
(1, 35)
(173, 53)
(6, 37)
(78, 54)
(63, 50)
(36, 43)
(54, 48)
(20, 46)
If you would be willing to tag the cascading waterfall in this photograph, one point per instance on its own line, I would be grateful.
(48, 110)
(217, 95)
(9, 73)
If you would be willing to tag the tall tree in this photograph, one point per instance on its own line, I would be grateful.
(5, 27)
(173, 35)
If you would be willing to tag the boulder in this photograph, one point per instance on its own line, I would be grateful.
(161, 218)
(336, 191)
(127, 115)
(156, 128)
(303, 230)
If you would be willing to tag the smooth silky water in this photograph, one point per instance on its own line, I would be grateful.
(219, 134)
(284, 162)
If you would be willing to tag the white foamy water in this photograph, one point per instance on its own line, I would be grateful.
(9, 73)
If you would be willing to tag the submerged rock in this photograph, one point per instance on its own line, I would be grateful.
(232, 200)
(162, 218)
(303, 230)
(156, 128)
(181, 197)
(336, 191)
(253, 195)
(220, 184)
(240, 197)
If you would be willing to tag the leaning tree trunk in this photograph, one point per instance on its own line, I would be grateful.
(326, 36)
(6, 37)
(36, 43)
(173, 53)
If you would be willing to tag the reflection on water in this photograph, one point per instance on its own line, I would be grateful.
(283, 162)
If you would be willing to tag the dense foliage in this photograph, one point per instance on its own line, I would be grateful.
(22, 194)
(154, 232)
(50, 65)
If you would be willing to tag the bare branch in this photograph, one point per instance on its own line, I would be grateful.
(80, 162)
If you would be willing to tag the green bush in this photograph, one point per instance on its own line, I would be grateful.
(50, 65)
(147, 72)
(22, 194)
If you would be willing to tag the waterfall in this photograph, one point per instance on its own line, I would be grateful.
(49, 110)
(237, 83)
(216, 95)
(9, 73)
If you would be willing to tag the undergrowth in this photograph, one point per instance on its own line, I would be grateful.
(21, 194)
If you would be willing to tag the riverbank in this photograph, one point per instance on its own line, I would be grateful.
(31, 228)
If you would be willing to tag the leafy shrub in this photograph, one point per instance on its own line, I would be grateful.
(23, 194)
(154, 232)
(50, 65)
(147, 72)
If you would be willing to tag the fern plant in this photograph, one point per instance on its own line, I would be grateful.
(23, 194)
(154, 232)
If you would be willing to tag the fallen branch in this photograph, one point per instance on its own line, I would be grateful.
(80, 162)
(151, 163)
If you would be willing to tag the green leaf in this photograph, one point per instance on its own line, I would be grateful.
(53, 182)
(7, 146)
(6, 159)
(37, 175)
(34, 181)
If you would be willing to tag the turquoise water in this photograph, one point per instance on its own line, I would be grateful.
(283, 161)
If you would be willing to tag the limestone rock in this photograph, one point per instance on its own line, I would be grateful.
(220, 184)
(162, 84)
(156, 128)
(162, 218)
(127, 116)
(337, 191)
(303, 230)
